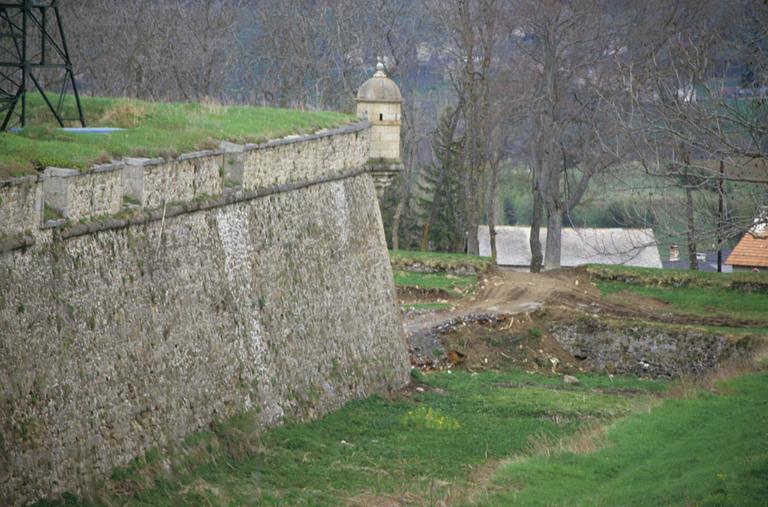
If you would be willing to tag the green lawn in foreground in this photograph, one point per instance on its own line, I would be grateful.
(708, 450)
(425, 446)
(152, 129)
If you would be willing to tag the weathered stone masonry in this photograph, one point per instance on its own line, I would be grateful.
(255, 278)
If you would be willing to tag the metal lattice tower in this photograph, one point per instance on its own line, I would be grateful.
(33, 53)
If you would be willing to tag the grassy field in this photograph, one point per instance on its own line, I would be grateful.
(421, 447)
(742, 296)
(709, 449)
(672, 277)
(491, 438)
(437, 271)
(455, 285)
(152, 129)
(695, 301)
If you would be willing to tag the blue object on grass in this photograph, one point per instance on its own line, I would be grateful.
(91, 130)
(78, 130)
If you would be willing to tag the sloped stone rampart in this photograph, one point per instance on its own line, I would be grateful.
(118, 339)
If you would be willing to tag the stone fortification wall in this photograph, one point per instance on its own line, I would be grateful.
(27, 204)
(129, 333)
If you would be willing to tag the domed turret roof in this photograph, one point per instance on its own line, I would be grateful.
(379, 88)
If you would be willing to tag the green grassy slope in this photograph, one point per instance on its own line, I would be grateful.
(707, 450)
(438, 260)
(453, 284)
(742, 296)
(437, 270)
(152, 129)
(422, 446)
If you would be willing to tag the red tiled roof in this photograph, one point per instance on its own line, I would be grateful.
(751, 251)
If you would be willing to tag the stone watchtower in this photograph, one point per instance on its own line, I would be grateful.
(379, 101)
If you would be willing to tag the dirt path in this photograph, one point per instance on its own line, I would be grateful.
(507, 292)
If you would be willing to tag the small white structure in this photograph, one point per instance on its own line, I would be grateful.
(630, 247)
(379, 101)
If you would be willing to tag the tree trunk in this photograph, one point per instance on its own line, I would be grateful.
(492, 209)
(535, 239)
(473, 245)
(550, 187)
(691, 229)
(720, 217)
(554, 237)
(492, 235)
(396, 224)
(424, 244)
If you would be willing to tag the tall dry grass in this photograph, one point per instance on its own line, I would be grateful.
(124, 115)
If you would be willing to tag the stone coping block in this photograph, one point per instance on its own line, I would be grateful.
(60, 172)
(296, 138)
(234, 165)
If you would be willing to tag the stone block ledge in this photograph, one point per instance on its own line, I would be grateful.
(320, 134)
(170, 210)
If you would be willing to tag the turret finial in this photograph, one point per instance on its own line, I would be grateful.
(380, 68)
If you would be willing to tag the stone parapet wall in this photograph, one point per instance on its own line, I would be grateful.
(184, 179)
(282, 161)
(76, 195)
(73, 195)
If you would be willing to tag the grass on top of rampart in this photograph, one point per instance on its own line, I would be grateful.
(677, 278)
(152, 129)
(735, 296)
(438, 261)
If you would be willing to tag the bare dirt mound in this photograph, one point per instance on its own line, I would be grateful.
(504, 342)
(507, 292)
(505, 322)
